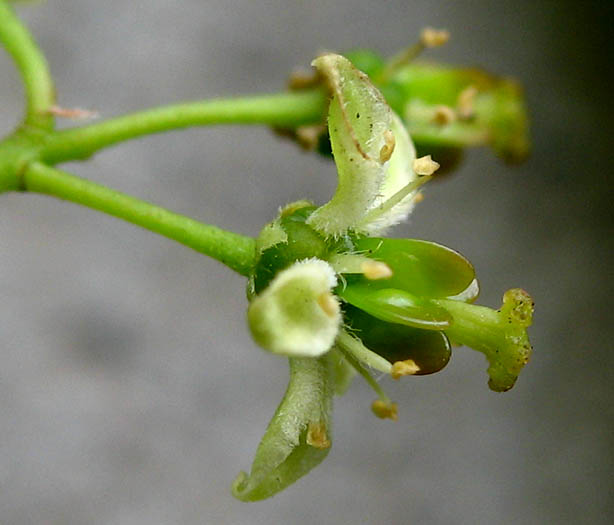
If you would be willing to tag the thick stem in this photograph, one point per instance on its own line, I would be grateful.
(38, 84)
(233, 250)
(283, 110)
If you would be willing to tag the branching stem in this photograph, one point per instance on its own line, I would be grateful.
(32, 65)
(282, 110)
(233, 250)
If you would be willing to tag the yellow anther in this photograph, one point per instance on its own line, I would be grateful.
(425, 165)
(303, 79)
(374, 270)
(386, 152)
(316, 435)
(430, 37)
(308, 136)
(329, 304)
(404, 368)
(385, 409)
(418, 197)
(466, 101)
(444, 115)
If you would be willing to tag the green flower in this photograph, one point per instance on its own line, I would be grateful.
(337, 300)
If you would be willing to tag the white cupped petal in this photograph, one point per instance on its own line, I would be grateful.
(297, 314)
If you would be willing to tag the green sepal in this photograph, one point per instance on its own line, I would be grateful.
(285, 453)
(430, 350)
(422, 268)
(284, 241)
(500, 335)
(396, 306)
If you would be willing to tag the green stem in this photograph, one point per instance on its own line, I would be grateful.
(38, 84)
(233, 250)
(282, 110)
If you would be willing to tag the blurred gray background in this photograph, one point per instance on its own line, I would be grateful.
(130, 391)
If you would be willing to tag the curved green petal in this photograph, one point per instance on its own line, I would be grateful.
(360, 128)
(420, 267)
(397, 306)
(428, 349)
(297, 315)
(298, 437)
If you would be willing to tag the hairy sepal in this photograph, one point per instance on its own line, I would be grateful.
(298, 437)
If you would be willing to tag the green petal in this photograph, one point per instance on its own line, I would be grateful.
(297, 315)
(392, 205)
(360, 128)
(422, 268)
(397, 306)
(428, 349)
(297, 438)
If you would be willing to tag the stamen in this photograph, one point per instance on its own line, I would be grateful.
(308, 136)
(374, 270)
(404, 368)
(329, 305)
(303, 79)
(385, 410)
(388, 147)
(316, 435)
(387, 205)
(425, 165)
(443, 115)
(430, 37)
(465, 102)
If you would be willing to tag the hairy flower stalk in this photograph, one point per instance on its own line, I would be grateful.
(327, 289)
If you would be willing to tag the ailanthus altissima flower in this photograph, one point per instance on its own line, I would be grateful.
(337, 298)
